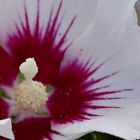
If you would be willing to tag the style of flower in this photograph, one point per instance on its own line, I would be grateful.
(86, 79)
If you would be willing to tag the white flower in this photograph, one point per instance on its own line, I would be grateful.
(87, 53)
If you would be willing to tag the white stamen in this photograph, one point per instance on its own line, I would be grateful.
(31, 98)
(30, 95)
(29, 68)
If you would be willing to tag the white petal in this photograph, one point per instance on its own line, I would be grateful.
(84, 10)
(123, 123)
(6, 129)
(113, 33)
(108, 30)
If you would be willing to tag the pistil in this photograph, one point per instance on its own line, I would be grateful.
(30, 95)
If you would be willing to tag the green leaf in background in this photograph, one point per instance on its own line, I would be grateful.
(99, 136)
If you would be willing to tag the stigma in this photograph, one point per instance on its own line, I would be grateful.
(30, 95)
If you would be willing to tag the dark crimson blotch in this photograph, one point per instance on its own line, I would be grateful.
(3, 109)
(33, 129)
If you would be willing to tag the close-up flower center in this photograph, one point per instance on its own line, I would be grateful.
(68, 68)
(30, 95)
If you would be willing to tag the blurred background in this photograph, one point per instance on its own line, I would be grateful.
(137, 8)
(99, 136)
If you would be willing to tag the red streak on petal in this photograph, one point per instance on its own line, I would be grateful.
(72, 97)
(47, 52)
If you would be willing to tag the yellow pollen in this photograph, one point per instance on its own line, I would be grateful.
(30, 95)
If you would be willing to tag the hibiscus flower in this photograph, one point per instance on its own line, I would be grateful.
(69, 68)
